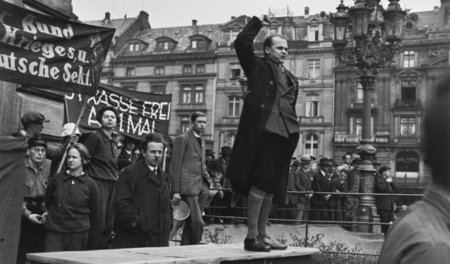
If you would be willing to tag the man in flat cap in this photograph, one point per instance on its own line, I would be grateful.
(385, 204)
(33, 213)
(300, 180)
(33, 123)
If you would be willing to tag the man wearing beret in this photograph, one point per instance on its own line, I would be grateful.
(33, 213)
(268, 131)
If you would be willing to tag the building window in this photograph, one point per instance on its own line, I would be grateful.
(234, 103)
(311, 144)
(130, 71)
(233, 35)
(199, 93)
(163, 45)
(356, 124)
(200, 68)
(313, 33)
(185, 123)
(313, 69)
(192, 94)
(408, 92)
(159, 70)
(194, 44)
(158, 89)
(407, 165)
(129, 86)
(359, 93)
(312, 106)
(235, 71)
(187, 69)
(133, 47)
(409, 58)
(186, 95)
(407, 126)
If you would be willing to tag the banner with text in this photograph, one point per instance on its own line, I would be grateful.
(50, 53)
(139, 113)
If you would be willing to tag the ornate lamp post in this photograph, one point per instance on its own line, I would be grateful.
(374, 40)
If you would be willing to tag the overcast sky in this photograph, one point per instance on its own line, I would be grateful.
(168, 13)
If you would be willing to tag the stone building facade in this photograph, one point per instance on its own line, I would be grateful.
(400, 95)
(198, 65)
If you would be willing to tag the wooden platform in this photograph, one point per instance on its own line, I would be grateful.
(201, 254)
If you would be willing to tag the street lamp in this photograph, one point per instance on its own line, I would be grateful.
(375, 37)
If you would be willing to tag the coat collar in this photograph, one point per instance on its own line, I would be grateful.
(66, 176)
(194, 141)
(439, 198)
(152, 176)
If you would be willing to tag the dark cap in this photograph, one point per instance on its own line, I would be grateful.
(225, 151)
(37, 141)
(32, 118)
(325, 162)
(383, 169)
(209, 152)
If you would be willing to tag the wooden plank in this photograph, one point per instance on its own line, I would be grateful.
(201, 254)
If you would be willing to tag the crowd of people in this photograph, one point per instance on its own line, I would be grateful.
(95, 191)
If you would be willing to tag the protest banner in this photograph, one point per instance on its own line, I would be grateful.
(50, 53)
(139, 113)
(12, 171)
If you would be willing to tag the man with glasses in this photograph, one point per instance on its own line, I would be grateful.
(33, 210)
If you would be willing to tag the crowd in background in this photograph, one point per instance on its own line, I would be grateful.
(71, 202)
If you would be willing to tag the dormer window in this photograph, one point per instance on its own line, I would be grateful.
(194, 44)
(315, 32)
(164, 44)
(133, 47)
(199, 42)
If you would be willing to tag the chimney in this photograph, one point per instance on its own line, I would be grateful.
(194, 22)
(107, 18)
(306, 11)
(143, 18)
(233, 17)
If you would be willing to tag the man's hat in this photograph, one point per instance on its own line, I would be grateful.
(325, 162)
(68, 128)
(37, 141)
(225, 151)
(181, 211)
(305, 158)
(209, 152)
(32, 118)
(384, 168)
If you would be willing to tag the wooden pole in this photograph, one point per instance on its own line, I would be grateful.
(83, 108)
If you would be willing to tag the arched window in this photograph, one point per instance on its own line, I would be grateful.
(311, 144)
(407, 165)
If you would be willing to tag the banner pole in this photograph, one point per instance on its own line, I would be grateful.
(83, 108)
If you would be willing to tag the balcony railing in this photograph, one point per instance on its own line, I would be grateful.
(402, 104)
(407, 140)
